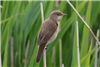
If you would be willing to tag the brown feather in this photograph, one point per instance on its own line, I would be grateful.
(47, 30)
(40, 51)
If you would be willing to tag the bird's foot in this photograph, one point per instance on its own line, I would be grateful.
(46, 48)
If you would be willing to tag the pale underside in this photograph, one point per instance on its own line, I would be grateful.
(53, 37)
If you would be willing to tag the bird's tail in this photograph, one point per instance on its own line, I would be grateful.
(40, 51)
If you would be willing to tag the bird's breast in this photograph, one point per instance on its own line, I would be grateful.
(53, 37)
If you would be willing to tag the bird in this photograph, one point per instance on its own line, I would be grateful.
(48, 32)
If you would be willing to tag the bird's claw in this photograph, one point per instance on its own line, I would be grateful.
(45, 48)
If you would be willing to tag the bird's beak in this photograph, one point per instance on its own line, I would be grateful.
(64, 14)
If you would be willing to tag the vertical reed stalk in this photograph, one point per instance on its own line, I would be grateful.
(11, 43)
(0, 60)
(96, 51)
(26, 54)
(78, 54)
(60, 52)
(44, 52)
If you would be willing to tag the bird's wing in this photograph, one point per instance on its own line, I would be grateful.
(47, 30)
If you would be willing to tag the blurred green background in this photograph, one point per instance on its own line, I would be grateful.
(20, 24)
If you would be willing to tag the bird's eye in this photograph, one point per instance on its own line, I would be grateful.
(57, 14)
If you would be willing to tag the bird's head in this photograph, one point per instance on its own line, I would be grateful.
(57, 15)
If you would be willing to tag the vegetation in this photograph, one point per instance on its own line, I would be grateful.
(21, 22)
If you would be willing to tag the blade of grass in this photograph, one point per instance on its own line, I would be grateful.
(88, 59)
(10, 23)
(5, 56)
(69, 49)
(3, 21)
(29, 22)
(74, 56)
(49, 10)
(85, 38)
(4, 16)
(33, 56)
(94, 12)
(87, 55)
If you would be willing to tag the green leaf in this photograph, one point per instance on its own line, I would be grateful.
(33, 56)
(74, 57)
(5, 56)
(3, 21)
(87, 55)
(10, 23)
(85, 38)
(88, 59)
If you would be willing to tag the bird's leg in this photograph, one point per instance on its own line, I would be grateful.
(46, 47)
